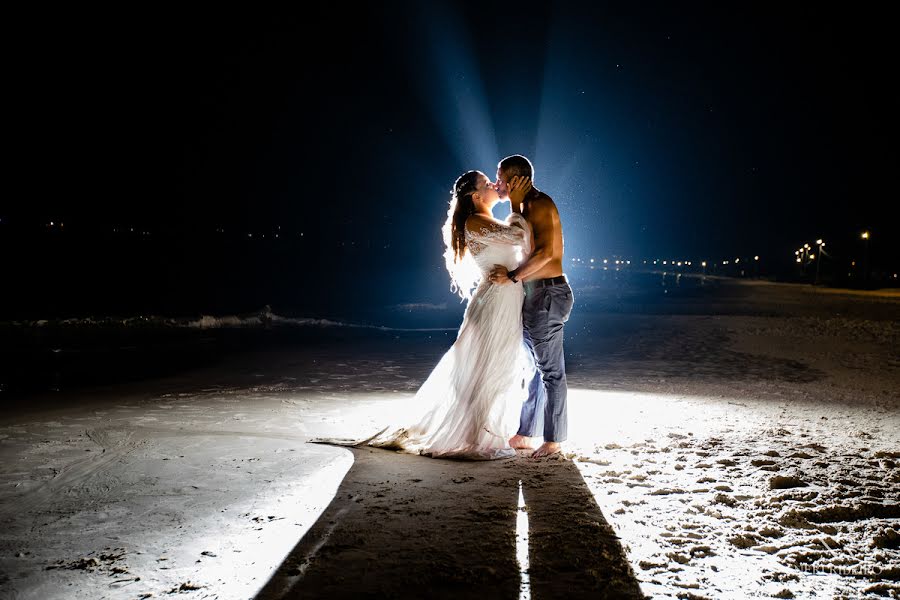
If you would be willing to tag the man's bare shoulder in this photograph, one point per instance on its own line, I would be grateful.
(542, 203)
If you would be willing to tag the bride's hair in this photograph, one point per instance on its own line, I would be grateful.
(464, 275)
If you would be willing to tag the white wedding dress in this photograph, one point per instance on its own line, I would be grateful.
(470, 404)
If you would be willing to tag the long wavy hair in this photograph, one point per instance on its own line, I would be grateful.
(464, 274)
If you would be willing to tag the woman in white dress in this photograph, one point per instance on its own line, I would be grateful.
(470, 404)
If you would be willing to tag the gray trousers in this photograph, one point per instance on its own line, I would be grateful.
(544, 313)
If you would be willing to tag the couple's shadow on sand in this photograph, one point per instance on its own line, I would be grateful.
(406, 526)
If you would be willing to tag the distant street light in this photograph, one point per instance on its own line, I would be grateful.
(821, 244)
(865, 237)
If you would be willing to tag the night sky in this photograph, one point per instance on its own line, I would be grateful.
(691, 130)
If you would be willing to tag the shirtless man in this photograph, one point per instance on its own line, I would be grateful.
(548, 302)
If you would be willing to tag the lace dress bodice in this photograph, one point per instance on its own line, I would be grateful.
(500, 243)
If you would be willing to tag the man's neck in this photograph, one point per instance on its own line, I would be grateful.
(533, 194)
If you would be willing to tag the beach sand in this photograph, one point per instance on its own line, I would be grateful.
(746, 446)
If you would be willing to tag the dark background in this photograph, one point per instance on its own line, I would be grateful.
(690, 131)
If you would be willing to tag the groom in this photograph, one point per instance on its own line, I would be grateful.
(548, 302)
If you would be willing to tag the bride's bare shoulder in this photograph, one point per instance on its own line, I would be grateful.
(475, 223)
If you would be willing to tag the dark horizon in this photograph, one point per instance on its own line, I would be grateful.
(698, 133)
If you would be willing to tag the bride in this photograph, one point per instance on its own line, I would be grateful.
(470, 404)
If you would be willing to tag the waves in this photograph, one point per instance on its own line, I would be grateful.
(263, 319)
(420, 306)
(271, 319)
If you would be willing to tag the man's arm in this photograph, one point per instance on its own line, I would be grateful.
(543, 220)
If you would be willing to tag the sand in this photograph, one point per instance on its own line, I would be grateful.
(748, 452)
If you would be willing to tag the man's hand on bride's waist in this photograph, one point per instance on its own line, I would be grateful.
(499, 275)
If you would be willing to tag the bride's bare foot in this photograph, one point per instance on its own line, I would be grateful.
(546, 449)
(520, 442)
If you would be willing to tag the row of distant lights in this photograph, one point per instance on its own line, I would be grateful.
(62, 225)
(618, 263)
(803, 253)
(250, 235)
(678, 263)
(131, 230)
(605, 261)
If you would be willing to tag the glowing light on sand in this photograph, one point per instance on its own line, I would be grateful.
(246, 555)
(522, 547)
(641, 417)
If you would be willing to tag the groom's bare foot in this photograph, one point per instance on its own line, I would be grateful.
(546, 449)
(520, 442)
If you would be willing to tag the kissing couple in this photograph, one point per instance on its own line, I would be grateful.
(503, 382)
